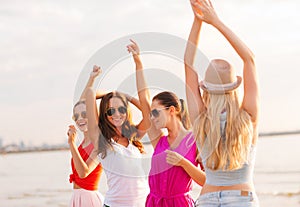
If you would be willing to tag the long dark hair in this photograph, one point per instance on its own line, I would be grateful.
(108, 130)
(168, 99)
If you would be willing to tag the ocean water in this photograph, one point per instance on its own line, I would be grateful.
(41, 178)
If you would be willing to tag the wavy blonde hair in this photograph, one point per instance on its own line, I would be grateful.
(232, 151)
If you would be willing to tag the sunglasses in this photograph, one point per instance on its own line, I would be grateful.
(112, 111)
(76, 115)
(155, 112)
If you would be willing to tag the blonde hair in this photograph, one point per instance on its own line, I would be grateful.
(232, 151)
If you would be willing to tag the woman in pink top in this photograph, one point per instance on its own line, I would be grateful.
(169, 184)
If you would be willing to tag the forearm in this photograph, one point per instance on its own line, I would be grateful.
(194, 172)
(89, 84)
(193, 95)
(193, 40)
(92, 114)
(134, 101)
(144, 96)
(80, 166)
(100, 93)
(238, 45)
(142, 87)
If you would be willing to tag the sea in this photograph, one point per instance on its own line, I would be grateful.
(38, 179)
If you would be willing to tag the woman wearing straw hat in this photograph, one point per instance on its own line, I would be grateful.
(225, 130)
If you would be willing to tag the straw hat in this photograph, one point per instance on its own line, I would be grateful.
(220, 78)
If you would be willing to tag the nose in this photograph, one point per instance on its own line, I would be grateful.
(152, 117)
(117, 113)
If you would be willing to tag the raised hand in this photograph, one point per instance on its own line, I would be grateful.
(133, 48)
(71, 134)
(96, 71)
(204, 11)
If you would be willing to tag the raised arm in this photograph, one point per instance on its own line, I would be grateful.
(100, 93)
(96, 72)
(144, 96)
(134, 101)
(83, 168)
(92, 115)
(141, 126)
(251, 89)
(193, 95)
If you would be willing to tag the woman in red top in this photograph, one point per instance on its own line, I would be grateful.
(85, 186)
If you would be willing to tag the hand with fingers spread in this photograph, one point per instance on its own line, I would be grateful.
(204, 11)
(133, 48)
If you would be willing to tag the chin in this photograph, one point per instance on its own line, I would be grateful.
(84, 129)
(118, 124)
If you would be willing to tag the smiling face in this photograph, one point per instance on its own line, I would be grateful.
(116, 112)
(159, 115)
(79, 116)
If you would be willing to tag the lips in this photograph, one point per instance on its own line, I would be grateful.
(117, 120)
(83, 124)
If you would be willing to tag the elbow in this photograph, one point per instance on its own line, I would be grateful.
(90, 91)
(185, 58)
(187, 61)
(250, 58)
(83, 174)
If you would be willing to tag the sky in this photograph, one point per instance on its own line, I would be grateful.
(47, 45)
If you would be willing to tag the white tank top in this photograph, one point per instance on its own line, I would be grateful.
(126, 179)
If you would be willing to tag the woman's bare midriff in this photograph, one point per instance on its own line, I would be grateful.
(212, 188)
(75, 186)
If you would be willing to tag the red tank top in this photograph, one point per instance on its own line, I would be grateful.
(92, 180)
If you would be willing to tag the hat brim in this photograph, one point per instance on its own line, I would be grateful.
(224, 90)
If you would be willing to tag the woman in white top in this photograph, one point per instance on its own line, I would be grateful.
(117, 147)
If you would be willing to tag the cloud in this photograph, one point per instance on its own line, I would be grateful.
(45, 44)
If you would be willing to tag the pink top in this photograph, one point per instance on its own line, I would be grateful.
(170, 185)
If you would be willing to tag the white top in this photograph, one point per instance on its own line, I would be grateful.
(126, 179)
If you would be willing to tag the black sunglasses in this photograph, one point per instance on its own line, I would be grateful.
(76, 115)
(112, 111)
(155, 112)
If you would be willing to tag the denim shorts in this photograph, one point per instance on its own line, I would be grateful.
(228, 198)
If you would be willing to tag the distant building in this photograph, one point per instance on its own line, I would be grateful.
(22, 145)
